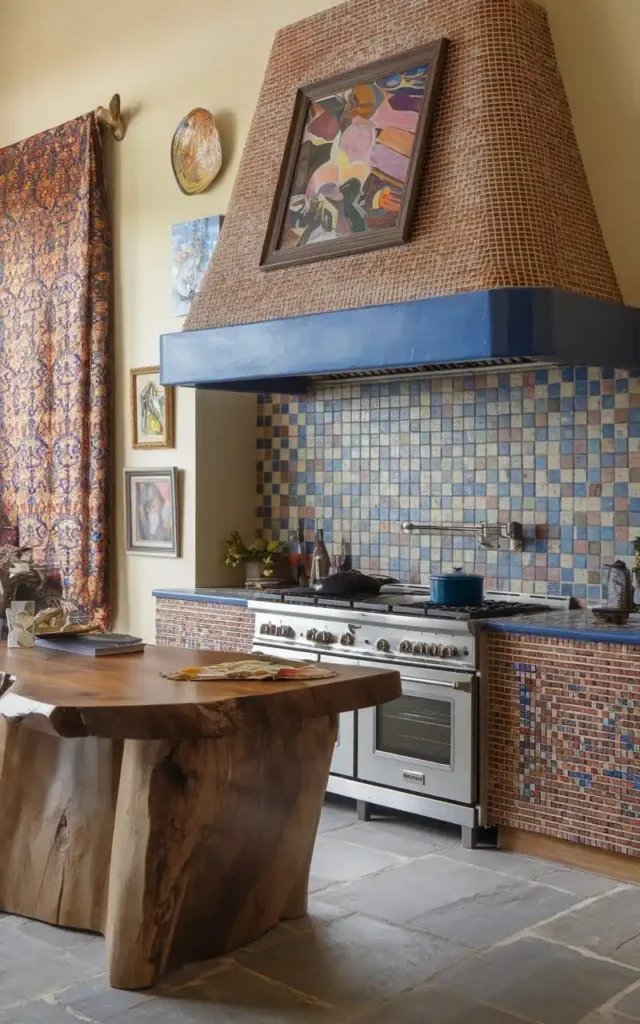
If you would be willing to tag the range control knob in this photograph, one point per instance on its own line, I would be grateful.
(323, 636)
(269, 629)
(382, 644)
(264, 629)
(347, 639)
(287, 631)
(433, 650)
(417, 648)
(448, 651)
(404, 646)
(311, 634)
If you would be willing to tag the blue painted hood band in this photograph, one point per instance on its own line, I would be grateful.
(530, 324)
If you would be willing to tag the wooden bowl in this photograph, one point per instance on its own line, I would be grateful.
(196, 152)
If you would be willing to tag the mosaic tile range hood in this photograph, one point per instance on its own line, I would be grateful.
(506, 261)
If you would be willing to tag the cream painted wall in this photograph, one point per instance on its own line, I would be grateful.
(597, 46)
(59, 60)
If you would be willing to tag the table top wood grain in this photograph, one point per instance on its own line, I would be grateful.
(125, 697)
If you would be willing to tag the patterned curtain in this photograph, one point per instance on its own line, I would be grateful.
(55, 361)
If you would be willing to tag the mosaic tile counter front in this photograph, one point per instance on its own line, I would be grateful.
(563, 739)
(557, 449)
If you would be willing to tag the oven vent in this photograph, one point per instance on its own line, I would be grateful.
(427, 369)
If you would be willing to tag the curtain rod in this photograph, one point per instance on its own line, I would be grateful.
(111, 117)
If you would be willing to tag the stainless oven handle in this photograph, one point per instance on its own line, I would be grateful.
(455, 684)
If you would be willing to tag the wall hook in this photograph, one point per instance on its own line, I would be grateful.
(112, 118)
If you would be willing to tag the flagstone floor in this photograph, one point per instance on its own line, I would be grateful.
(404, 927)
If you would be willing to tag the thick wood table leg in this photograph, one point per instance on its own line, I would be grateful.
(57, 807)
(212, 844)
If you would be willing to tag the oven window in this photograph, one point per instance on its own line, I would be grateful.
(419, 727)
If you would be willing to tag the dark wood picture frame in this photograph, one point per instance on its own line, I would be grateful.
(433, 53)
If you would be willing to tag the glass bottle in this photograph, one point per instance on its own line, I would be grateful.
(320, 562)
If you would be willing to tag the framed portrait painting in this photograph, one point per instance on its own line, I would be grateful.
(353, 162)
(151, 409)
(151, 512)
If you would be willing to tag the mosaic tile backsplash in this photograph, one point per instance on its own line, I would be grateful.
(556, 449)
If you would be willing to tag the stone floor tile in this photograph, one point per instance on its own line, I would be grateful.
(541, 981)
(354, 961)
(607, 1016)
(95, 1000)
(334, 861)
(233, 996)
(428, 1005)
(318, 912)
(337, 813)
(30, 968)
(38, 1012)
(581, 883)
(406, 838)
(609, 926)
(85, 945)
(629, 1003)
(481, 920)
(402, 893)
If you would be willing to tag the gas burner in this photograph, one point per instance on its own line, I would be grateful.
(488, 609)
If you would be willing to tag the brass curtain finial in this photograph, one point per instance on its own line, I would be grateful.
(112, 118)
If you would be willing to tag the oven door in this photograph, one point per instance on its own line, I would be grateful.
(424, 741)
(343, 761)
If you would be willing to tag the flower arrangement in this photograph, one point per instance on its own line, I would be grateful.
(260, 552)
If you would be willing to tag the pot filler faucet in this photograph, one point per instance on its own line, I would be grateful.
(489, 535)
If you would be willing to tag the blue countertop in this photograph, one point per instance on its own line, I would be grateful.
(579, 624)
(208, 595)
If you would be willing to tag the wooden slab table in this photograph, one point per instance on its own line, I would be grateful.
(177, 819)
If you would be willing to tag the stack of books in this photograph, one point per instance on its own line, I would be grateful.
(95, 645)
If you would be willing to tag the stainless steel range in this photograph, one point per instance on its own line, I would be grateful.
(421, 753)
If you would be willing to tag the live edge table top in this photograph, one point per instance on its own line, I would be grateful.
(125, 697)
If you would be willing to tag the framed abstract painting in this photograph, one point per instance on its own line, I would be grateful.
(151, 512)
(353, 160)
(151, 409)
(192, 245)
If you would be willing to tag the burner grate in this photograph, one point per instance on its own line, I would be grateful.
(487, 609)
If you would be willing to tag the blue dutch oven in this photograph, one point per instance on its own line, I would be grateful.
(457, 588)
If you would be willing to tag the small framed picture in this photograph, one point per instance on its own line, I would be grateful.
(151, 409)
(151, 512)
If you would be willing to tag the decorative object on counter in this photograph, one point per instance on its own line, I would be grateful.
(618, 587)
(353, 160)
(259, 557)
(96, 645)
(320, 561)
(457, 588)
(152, 406)
(192, 246)
(151, 512)
(636, 569)
(297, 558)
(20, 619)
(22, 580)
(342, 561)
(196, 152)
(111, 117)
(490, 535)
(61, 618)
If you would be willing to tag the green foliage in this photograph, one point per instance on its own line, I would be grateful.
(260, 551)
